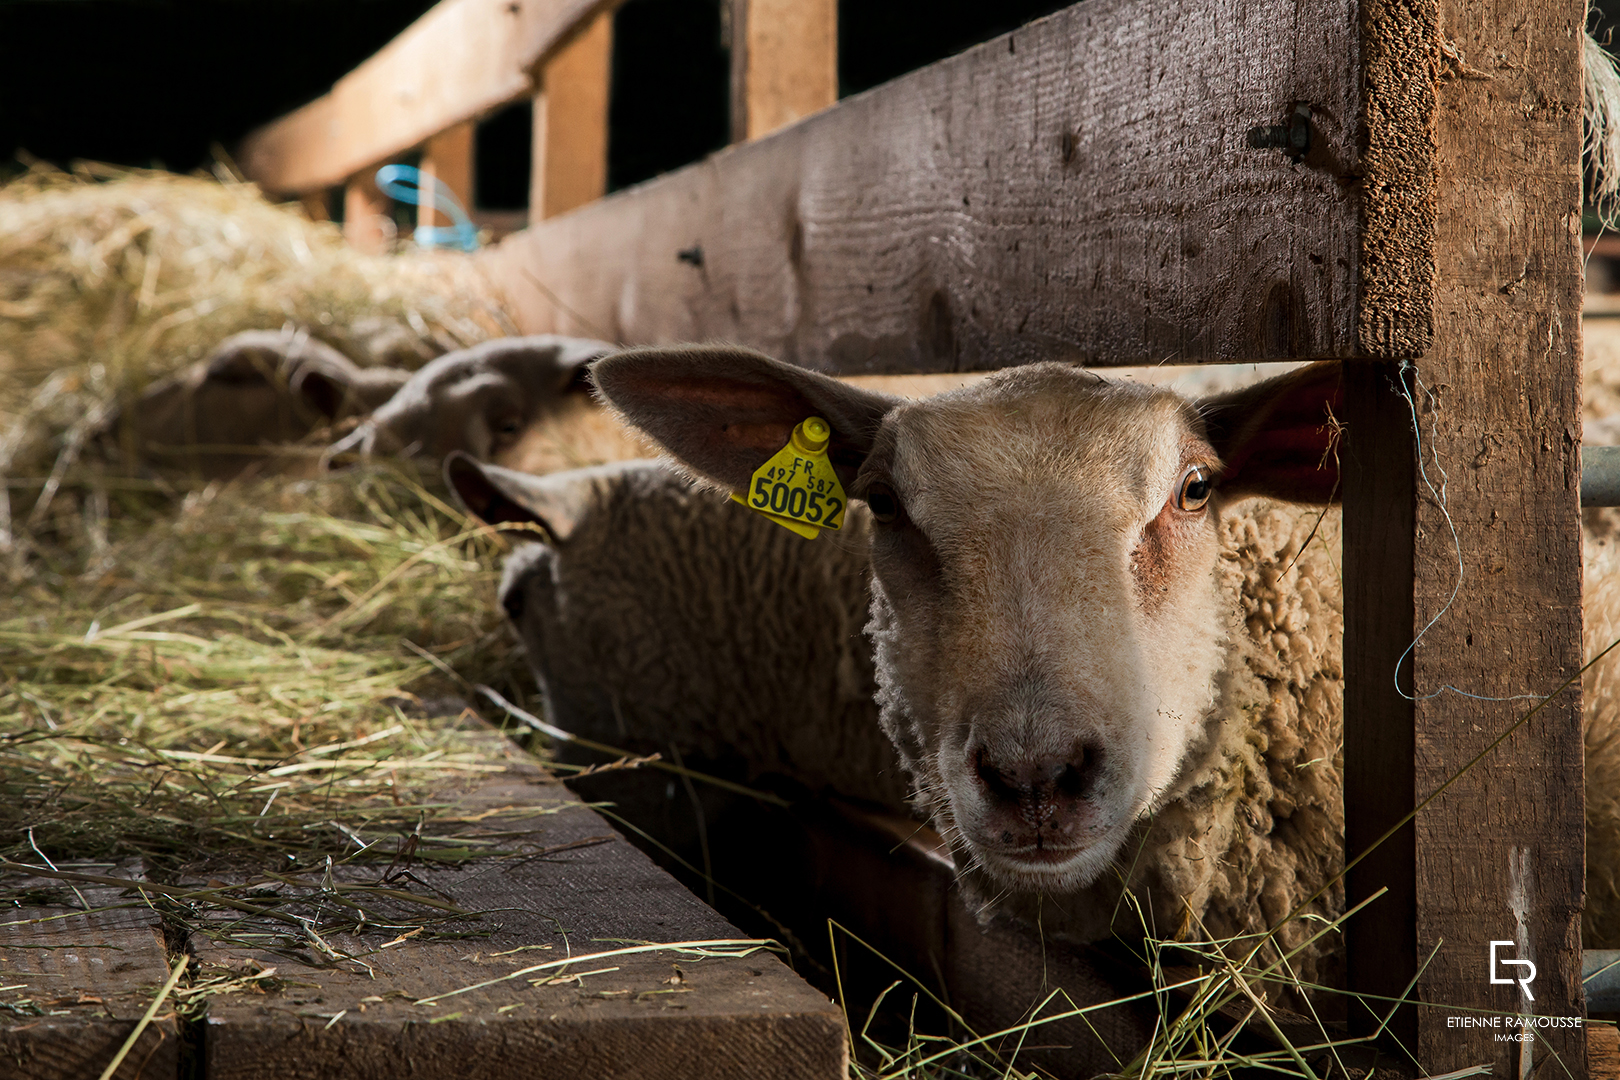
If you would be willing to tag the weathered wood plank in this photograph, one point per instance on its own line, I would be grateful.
(1379, 477)
(569, 164)
(722, 1017)
(1495, 398)
(1603, 1052)
(457, 62)
(1069, 189)
(74, 987)
(1500, 856)
(784, 63)
(1398, 41)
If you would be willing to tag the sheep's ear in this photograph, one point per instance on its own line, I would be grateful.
(724, 410)
(1279, 437)
(553, 504)
(574, 356)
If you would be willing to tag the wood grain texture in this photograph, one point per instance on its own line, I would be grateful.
(1072, 189)
(569, 165)
(1399, 39)
(460, 60)
(1603, 1052)
(75, 988)
(1500, 855)
(784, 57)
(727, 1017)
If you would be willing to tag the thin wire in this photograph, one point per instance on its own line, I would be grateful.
(1441, 499)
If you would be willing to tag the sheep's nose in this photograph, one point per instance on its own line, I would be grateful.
(1037, 786)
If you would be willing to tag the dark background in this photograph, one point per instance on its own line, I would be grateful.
(160, 82)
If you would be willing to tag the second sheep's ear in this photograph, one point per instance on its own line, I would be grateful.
(724, 410)
(1279, 438)
(552, 505)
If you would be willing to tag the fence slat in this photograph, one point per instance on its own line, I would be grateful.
(569, 164)
(784, 63)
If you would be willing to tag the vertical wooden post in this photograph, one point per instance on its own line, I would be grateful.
(1500, 856)
(364, 213)
(1491, 483)
(571, 123)
(784, 63)
(1379, 494)
(448, 157)
(314, 205)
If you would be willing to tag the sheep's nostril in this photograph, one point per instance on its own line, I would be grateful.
(1038, 787)
(995, 782)
(1078, 778)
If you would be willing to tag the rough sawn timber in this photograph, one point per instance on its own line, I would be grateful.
(644, 1017)
(1496, 402)
(75, 985)
(1501, 854)
(1072, 189)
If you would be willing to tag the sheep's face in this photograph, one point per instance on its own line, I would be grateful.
(478, 400)
(459, 406)
(1045, 616)
(1045, 611)
(528, 595)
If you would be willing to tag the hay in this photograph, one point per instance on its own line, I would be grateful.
(1601, 143)
(247, 677)
(111, 278)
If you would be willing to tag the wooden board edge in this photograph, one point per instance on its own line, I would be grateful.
(1395, 301)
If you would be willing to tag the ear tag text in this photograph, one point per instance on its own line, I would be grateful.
(797, 488)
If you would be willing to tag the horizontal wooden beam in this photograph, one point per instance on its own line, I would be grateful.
(1069, 189)
(457, 62)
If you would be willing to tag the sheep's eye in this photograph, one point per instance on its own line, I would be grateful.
(884, 504)
(1195, 489)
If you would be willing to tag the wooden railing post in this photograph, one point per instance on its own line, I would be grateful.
(364, 213)
(448, 157)
(784, 63)
(1462, 531)
(569, 166)
(315, 206)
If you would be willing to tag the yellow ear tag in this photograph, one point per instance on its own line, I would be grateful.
(797, 488)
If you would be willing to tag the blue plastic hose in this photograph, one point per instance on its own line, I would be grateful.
(404, 183)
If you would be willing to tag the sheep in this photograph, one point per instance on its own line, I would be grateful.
(522, 403)
(516, 401)
(1249, 811)
(653, 614)
(257, 389)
